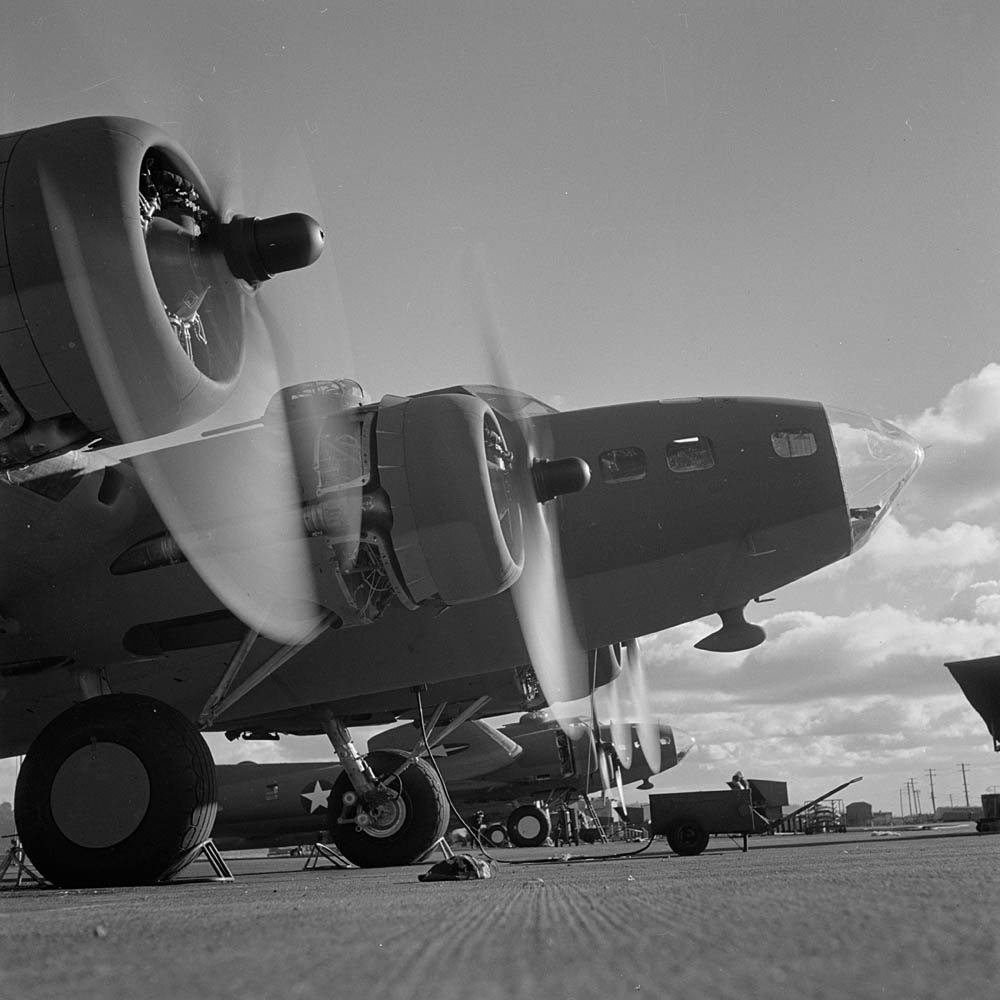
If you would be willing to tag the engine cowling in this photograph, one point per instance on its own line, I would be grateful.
(444, 462)
(86, 215)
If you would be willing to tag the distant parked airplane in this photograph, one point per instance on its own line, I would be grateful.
(534, 759)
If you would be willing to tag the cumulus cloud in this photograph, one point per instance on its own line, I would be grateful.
(960, 478)
(810, 655)
(288, 749)
(898, 549)
(969, 414)
(988, 607)
(830, 695)
(818, 745)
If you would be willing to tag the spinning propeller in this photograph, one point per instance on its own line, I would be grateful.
(213, 391)
(647, 728)
(540, 594)
(609, 759)
(624, 700)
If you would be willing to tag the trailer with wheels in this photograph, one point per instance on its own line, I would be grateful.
(689, 819)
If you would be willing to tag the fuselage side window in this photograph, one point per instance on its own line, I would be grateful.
(793, 443)
(693, 454)
(622, 465)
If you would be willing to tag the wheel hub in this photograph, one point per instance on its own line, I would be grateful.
(100, 795)
(529, 826)
(383, 818)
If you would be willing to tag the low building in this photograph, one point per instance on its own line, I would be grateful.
(858, 814)
(957, 814)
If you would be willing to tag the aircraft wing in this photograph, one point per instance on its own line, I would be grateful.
(980, 683)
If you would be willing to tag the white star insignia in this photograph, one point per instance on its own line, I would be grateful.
(318, 798)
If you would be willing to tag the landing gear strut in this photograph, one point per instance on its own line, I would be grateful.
(117, 790)
(386, 809)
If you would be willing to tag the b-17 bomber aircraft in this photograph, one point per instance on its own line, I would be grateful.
(536, 758)
(198, 537)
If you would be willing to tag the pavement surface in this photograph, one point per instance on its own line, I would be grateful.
(845, 916)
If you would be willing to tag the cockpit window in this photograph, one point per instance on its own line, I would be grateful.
(622, 465)
(794, 443)
(693, 454)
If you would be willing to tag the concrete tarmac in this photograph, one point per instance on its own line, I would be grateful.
(844, 916)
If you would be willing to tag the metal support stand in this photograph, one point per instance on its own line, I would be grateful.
(444, 847)
(16, 859)
(326, 852)
(215, 859)
(441, 845)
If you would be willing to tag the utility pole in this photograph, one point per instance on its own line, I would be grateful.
(965, 782)
(909, 796)
(901, 813)
(930, 776)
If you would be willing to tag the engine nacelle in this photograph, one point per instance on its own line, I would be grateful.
(444, 462)
(86, 334)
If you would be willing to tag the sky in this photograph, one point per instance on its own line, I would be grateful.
(667, 200)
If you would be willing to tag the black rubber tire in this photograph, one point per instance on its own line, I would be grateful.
(528, 826)
(118, 790)
(687, 836)
(421, 820)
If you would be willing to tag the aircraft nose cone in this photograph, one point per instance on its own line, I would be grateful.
(683, 744)
(877, 459)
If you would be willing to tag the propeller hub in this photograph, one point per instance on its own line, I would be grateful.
(557, 476)
(257, 249)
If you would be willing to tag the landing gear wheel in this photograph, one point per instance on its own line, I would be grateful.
(527, 826)
(118, 790)
(402, 827)
(495, 835)
(687, 836)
